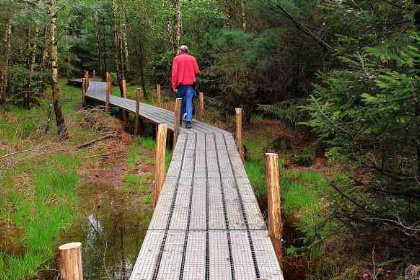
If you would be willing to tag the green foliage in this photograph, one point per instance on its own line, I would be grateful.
(256, 173)
(368, 114)
(148, 143)
(304, 157)
(287, 111)
(302, 196)
(54, 199)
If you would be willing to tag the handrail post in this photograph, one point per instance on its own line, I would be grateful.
(108, 92)
(70, 258)
(124, 95)
(83, 92)
(239, 141)
(274, 203)
(159, 95)
(201, 98)
(137, 122)
(177, 120)
(160, 160)
(86, 80)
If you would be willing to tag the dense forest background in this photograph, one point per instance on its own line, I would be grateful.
(347, 71)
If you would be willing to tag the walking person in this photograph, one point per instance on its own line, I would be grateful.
(184, 72)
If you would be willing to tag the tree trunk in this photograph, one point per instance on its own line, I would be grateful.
(4, 70)
(44, 58)
(34, 46)
(117, 45)
(178, 22)
(98, 45)
(61, 125)
(228, 13)
(140, 58)
(125, 40)
(244, 15)
(105, 53)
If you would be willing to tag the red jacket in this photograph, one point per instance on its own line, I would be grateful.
(184, 70)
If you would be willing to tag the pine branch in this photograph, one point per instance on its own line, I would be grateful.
(303, 28)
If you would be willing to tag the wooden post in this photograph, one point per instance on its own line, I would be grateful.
(87, 80)
(160, 160)
(83, 92)
(177, 120)
(70, 258)
(137, 123)
(108, 92)
(239, 143)
(94, 74)
(159, 95)
(124, 94)
(274, 203)
(201, 98)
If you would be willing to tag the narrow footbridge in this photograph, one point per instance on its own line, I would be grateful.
(207, 223)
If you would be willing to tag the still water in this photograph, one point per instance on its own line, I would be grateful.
(111, 226)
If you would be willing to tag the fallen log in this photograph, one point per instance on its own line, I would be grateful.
(90, 143)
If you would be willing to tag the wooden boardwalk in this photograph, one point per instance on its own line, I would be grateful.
(207, 223)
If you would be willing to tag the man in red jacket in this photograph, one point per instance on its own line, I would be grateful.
(184, 72)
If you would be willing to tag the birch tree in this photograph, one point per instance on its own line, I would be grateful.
(61, 125)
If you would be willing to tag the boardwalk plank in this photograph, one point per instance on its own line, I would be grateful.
(148, 255)
(219, 263)
(170, 265)
(195, 256)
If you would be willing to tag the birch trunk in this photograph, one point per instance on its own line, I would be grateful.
(178, 22)
(116, 44)
(44, 58)
(32, 66)
(61, 125)
(124, 39)
(104, 41)
(98, 45)
(4, 70)
(244, 15)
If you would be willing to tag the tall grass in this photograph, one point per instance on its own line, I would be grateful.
(302, 194)
(42, 207)
(37, 191)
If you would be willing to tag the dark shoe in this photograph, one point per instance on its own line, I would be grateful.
(188, 125)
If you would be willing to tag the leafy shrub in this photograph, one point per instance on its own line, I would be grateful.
(287, 111)
(304, 157)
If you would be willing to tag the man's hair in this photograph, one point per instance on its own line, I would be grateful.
(183, 48)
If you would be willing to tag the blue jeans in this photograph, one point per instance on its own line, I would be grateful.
(187, 93)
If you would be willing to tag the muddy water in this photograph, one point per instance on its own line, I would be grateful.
(295, 267)
(111, 226)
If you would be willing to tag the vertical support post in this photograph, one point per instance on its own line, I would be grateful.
(137, 123)
(274, 203)
(160, 160)
(94, 74)
(83, 92)
(177, 120)
(108, 92)
(239, 142)
(87, 80)
(124, 94)
(159, 95)
(70, 258)
(201, 99)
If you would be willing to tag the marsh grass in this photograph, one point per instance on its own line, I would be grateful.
(302, 193)
(38, 189)
(42, 207)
